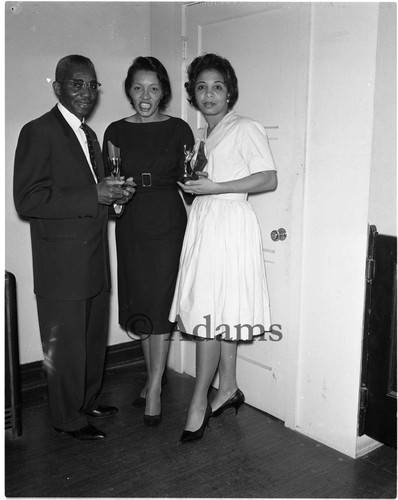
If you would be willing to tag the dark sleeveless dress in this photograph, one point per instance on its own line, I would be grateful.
(150, 232)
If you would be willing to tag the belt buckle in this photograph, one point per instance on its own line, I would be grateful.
(146, 179)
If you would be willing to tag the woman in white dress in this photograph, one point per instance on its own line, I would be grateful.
(221, 295)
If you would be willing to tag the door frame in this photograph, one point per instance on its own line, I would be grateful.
(297, 222)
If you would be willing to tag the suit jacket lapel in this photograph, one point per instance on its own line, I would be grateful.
(74, 144)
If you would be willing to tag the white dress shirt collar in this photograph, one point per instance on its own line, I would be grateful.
(72, 119)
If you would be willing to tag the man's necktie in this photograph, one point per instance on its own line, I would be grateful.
(84, 127)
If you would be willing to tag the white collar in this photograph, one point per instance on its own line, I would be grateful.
(72, 119)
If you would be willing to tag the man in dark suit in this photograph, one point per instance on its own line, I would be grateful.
(59, 185)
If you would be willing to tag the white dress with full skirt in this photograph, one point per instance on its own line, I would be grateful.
(221, 284)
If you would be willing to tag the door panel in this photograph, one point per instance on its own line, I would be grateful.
(378, 416)
(267, 44)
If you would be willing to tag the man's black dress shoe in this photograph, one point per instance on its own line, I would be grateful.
(102, 411)
(88, 433)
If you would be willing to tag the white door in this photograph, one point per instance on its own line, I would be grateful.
(267, 44)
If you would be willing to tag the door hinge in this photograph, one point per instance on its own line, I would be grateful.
(364, 397)
(183, 48)
(363, 402)
(370, 269)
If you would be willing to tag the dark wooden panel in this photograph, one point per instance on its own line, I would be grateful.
(13, 404)
(379, 386)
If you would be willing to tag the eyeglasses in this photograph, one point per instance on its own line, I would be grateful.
(78, 85)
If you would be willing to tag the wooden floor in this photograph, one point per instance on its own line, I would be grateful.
(248, 456)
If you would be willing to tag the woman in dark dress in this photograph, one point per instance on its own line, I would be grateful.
(150, 232)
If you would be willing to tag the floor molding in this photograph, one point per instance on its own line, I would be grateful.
(33, 375)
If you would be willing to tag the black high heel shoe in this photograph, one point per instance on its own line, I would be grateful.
(152, 420)
(236, 400)
(189, 436)
(140, 402)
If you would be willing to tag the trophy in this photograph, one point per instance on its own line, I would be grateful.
(188, 154)
(190, 172)
(114, 160)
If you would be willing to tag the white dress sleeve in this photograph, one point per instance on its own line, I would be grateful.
(254, 148)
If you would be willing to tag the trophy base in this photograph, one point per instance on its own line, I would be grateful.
(186, 178)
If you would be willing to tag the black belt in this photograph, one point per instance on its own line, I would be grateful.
(154, 181)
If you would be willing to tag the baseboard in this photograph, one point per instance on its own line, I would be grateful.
(32, 374)
(123, 354)
(365, 445)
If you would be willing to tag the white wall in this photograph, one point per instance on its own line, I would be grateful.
(339, 151)
(383, 180)
(38, 34)
(166, 46)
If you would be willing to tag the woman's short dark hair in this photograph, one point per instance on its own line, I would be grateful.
(149, 64)
(66, 63)
(212, 61)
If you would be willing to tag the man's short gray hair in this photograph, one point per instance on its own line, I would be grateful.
(67, 62)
